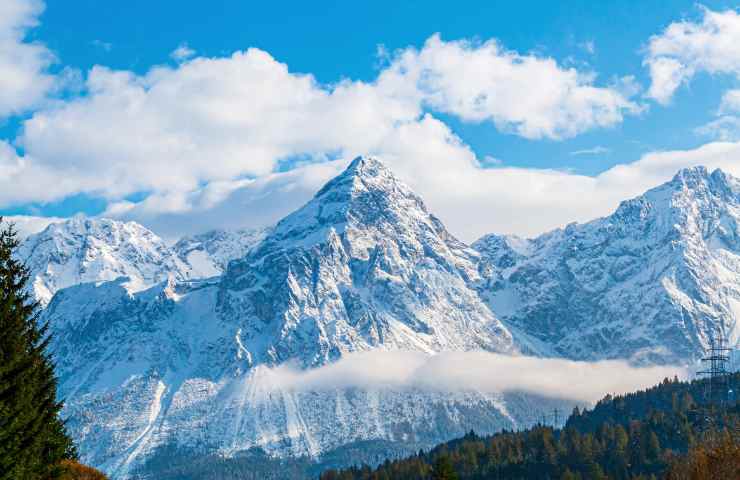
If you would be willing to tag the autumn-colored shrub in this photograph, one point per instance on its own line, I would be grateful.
(716, 458)
(77, 471)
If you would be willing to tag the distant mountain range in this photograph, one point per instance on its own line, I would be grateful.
(85, 250)
(162, 347)
(654, 282)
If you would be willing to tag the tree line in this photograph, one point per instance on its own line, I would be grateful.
(668, 431)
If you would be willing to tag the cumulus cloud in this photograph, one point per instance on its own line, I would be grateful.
(206, 120)
(24, 80)
(193, 135)
(528, 95)
(479, 371)
(685, 48)
(241, 140)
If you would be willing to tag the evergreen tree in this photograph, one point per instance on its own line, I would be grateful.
(443, 469)
(33, 441)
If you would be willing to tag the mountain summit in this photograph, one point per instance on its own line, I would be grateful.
(361, 265)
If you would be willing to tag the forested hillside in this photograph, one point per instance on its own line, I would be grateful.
(638, 435)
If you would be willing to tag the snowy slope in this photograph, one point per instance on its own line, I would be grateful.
(654, 281)
(363, 265)
(159, 370)
(186, 363)
(208, 254)
(83, 250)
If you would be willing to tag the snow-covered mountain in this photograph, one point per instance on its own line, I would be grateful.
(655, 281)
(82, 250)
(208, 254)
(362, 266)
(187, 363)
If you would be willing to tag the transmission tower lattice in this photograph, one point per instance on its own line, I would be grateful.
(717, 358)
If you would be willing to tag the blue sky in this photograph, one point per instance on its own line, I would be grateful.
(357, 42)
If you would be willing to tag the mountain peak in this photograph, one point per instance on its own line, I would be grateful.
(84, 249)
(362, 173)
(716, 181)
(691, 173)
(366, 193)
(365, 164)
(698, 182)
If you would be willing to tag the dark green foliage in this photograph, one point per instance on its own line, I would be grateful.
(32, 437)
(443, 469)
(174, 463)
(635, 436)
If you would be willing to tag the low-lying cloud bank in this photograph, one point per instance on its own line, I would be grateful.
(480, 371)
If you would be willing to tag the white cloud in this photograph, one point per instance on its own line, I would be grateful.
(528, 95)
(597, 150)
(251, 203)
(204, 139)
(726, 127)
(686, 48)
(207, 120)
(470, 200)
(479, 371)
(23, 78)
(211, 120)
(182, 52)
